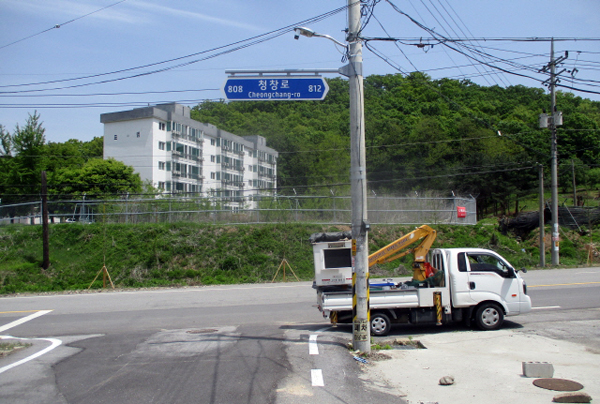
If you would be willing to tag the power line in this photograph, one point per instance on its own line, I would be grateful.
(465, 171)
(436, 39)
(104, 104)
(110, 94)
(62, 24)
(221, 50)
(474, 66)
(467, 28)
(445, 41)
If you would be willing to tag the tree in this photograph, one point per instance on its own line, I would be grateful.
(430, 135)
(23, 167)
(5, 161)
(97, 178)
(5, 143)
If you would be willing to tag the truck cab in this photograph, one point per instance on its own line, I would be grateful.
(481, 276)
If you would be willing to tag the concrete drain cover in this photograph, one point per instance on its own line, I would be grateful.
(558, 384)
(205, 331)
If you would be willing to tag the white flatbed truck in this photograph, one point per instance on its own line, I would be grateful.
(470, 284)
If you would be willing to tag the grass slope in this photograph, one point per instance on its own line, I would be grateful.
(147, 255)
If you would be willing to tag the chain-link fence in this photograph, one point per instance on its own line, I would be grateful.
(260, 209)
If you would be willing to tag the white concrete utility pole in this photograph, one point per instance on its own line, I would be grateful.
(553, 120)
(358, 182)
(361, 336)
(554, 162)
(541, 218)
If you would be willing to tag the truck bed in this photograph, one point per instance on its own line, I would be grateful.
(382, 299)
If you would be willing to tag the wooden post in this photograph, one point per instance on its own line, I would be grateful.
(45, 236)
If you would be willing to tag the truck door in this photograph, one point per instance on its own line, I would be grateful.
(492, 278)
(460, 282)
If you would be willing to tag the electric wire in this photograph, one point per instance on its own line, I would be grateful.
(502, 78)
(445, 41)
(444, 49)
(109, 94)
(447, 33)
(220, 50)
(62, 24)
(464, 171)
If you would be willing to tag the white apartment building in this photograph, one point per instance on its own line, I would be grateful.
(180, 155)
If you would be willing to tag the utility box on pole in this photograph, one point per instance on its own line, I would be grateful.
(546, 121)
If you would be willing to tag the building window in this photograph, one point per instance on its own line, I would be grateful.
(161, 145)
(162, 126)
(212, 176)
(212, 159)
(161, 185)
(116, 137)
(168, 166)
(137, 134)
(161, 165)
(212, 142)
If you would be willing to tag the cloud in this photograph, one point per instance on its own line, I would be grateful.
(197, 16)
(129, 12)
(62, 11)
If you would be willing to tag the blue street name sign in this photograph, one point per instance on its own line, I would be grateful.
(276, 88)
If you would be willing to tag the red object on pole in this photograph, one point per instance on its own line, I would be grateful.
(461, 212)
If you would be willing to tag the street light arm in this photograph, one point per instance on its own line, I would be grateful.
(309, 33)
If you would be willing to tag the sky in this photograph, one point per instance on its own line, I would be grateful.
(72, 60)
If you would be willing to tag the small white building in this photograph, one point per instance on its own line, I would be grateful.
(180, 155)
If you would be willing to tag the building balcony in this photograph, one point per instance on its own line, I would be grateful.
(265, 175)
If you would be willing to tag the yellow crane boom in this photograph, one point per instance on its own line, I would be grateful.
(394, 250)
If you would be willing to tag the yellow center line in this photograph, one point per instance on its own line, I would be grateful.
(563, 284)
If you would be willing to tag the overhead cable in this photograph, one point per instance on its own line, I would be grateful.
(220, 50)
(62, 24)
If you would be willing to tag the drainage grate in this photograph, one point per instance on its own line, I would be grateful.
(558, 384)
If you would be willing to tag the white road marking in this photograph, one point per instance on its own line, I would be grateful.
(54, 343)
(545, 308)
(313, 348)
(194, 289)
(316, 376)
(24, 320)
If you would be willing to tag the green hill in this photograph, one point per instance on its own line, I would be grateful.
(180, 254)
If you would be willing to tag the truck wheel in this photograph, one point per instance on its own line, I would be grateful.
(489, 316)
(380, 324)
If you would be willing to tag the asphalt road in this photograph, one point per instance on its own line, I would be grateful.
(227, 344)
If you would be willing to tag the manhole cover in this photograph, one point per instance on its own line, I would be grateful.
(558, 384)
(205, 331)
